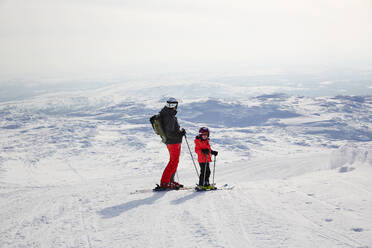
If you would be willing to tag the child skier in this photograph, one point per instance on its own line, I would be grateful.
(203, 149)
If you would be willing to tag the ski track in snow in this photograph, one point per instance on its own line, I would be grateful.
(300, 170)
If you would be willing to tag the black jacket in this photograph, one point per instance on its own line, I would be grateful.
(171, 126)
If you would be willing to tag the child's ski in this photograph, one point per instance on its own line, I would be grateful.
(212, 187)
(205, 188)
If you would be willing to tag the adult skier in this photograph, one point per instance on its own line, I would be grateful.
(173, 142)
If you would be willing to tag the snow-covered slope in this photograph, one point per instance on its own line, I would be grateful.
(300, 166)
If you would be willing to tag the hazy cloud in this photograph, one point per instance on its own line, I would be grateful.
(93, 37)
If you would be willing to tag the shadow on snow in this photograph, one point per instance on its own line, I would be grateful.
(114, 211)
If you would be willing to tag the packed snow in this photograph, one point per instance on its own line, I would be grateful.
(71, 162)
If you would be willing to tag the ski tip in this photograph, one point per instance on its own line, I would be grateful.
(158, 188)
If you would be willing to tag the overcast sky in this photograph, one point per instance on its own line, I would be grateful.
(113, 38)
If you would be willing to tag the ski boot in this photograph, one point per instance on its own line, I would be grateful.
(166, 186)
(176, 184)
(205, 187)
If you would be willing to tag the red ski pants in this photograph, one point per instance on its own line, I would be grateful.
(174, 157)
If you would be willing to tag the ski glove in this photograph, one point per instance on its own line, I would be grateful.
(214, 153)
(205, 151)
(183, 131)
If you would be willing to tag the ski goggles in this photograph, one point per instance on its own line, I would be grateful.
(171, 104)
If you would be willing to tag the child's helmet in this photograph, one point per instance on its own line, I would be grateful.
(204, 130)
(171, 103)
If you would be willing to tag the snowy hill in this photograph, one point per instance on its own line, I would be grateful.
(300, 169)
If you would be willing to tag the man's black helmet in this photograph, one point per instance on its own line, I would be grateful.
(171, 103)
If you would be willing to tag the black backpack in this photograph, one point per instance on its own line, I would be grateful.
(157, 126)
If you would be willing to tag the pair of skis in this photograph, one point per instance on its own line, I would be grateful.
(188, 188)
(197, 188)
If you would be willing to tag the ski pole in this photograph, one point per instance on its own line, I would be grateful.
(214, 168)
(191, 156)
